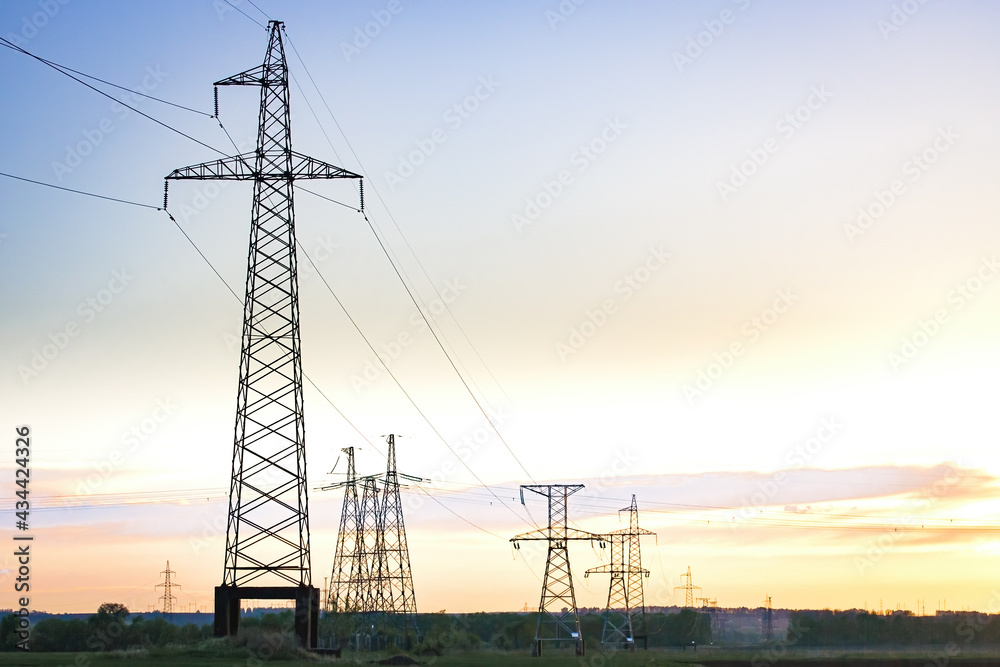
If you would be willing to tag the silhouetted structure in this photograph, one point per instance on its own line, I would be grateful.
(394, 555)
(267, 536)
(345, 580)
(625, 615)
(167, 585)
(558, 620)
(371, 571)
(767, 620)
(689, 588)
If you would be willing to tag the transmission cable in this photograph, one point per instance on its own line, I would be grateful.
(65, 71)
(361, 333)
(400, 276)
(392, 219)
(325, 397)
(247, 15)
(114, 85)
(110, 97)
(399, 384)
(81, 192)
(447, 356)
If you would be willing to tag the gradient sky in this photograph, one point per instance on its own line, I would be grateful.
(740, 140)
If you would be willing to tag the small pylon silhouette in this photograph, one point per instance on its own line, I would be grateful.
(688, 588)
(768, 619)
(168, 586)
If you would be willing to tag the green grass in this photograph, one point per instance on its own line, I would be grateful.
(216, 656)
(166, 658)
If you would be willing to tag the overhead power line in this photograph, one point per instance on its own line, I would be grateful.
(400, 272)
(110, 97)
(81, 192)
(9, 45)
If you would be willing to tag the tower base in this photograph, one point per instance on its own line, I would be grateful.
(227, 609)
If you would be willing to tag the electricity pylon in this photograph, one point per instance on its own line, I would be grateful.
(625, 615)
(167, 586)
(558, 620)
(396, 580)
(372, 574)
(347, 574)
(688, 588)
(267, 535)
(767, 621)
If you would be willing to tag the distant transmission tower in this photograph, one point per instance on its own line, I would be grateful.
(558, 620)
(768, 619)
(396, 579)
(371, 572)
(167, 586)
(267, 536)
(689, 588)
(625, 615)
(347, 574)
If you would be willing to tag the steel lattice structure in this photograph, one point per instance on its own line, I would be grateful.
(689, 588)
(558, 620)
(767, 620)
(168, 597)
(267, 536)
(371, 571)
(625, 615)
(347, 573)
(395, 578)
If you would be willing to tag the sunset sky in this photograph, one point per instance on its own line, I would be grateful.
(737, 258)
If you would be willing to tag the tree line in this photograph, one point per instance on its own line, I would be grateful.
(108, 630)
(111, 629)
(900, 628)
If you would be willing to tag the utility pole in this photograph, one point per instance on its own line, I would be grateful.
(167, 586)
(689, 588)
(625, 615)
(267, 535)
(558, 620)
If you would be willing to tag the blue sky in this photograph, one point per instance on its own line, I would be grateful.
(691, 232)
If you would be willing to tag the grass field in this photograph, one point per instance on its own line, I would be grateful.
(655, 657)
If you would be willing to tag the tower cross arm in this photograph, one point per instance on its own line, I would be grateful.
(255, 76)
(538, 534)
(546, 534)
(241, 168)
(631, 531)
(235, 168)
(304, 166)
(612, 568)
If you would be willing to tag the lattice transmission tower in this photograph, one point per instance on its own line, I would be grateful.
(267, 536)
(372, 575)
(168, 597)
(767, 620)
(395, 577)
(689, 588)
(347, 572)
(558, 620)
(625, 615)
